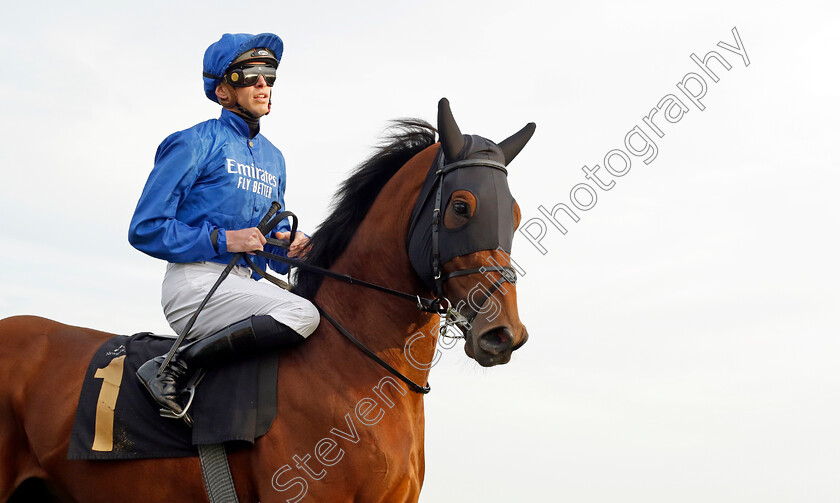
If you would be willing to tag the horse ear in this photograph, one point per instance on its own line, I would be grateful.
(513, 145)
(451, 138)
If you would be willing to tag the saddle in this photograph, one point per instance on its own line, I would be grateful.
(117, 419)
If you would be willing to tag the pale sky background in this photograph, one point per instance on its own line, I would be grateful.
(684, 333)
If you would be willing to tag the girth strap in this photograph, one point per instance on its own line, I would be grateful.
(218, 481)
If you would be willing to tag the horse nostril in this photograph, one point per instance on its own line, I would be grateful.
(496, 341)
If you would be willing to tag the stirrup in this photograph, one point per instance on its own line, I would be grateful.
(190, 389)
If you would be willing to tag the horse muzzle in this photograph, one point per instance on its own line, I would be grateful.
(494, 345)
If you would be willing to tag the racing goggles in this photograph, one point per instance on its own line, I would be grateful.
(248, 75)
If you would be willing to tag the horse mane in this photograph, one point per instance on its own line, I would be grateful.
(404, 139)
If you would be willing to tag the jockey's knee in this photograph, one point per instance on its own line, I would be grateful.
(303, 317)
(310, 318)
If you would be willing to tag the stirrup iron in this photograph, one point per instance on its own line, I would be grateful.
(189, 389)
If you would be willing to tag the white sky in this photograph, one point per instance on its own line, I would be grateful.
(683, 333)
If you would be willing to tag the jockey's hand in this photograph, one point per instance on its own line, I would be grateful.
(244, 240)
(300, 247)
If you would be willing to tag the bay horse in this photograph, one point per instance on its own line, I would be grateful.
(347, 431)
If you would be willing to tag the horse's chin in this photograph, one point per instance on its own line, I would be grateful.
(492, 347)
(491, 360)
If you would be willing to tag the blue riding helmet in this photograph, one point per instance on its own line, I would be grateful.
(219, 56)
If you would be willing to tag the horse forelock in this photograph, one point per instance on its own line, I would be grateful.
(404, 139)
(479, 147)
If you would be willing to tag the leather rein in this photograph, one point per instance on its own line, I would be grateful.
(440, 305)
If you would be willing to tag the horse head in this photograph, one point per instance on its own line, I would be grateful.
(460, 237)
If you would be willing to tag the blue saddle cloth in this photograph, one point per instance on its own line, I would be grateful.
(117, 419)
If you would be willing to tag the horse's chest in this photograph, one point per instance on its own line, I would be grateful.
(353, 458)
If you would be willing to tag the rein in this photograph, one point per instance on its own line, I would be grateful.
(268, 222)
(426, 305)
(440, 306)
(423, 304)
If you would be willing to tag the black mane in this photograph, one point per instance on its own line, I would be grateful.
(405, 139)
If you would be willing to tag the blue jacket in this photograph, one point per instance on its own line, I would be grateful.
(208, 177)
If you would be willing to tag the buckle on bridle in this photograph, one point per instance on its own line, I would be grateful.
(454, 318)
(443, 305)
(434, 306)
(509, 274)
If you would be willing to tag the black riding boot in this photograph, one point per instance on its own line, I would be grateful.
(243, 338)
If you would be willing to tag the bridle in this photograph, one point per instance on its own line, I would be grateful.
(508, 273)
(440, 305)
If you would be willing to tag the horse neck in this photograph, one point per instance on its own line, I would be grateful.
(377, 254)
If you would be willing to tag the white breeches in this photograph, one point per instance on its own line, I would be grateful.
(238, 297)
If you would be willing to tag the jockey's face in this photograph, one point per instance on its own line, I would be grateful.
(254, 98)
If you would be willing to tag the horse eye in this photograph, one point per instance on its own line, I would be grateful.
(461, 208)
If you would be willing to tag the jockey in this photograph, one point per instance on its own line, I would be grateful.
(210, 186)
